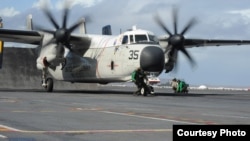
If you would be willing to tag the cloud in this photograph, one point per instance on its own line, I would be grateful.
(60, 4)
(9, 12)
(245, 14)
(42, 3)
(84, 3)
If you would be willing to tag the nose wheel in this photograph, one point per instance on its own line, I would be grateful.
(147, 90)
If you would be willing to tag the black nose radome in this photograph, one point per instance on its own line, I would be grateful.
(152, 59)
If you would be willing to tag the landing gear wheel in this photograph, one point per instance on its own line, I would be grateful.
(152, 92)
(143, 92)
(49, 87)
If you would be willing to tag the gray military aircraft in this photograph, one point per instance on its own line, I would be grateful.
(106, 58)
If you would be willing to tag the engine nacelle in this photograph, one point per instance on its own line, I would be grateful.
(46, 56)
(170, 60)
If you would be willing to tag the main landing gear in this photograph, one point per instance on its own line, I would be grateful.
(47, 83)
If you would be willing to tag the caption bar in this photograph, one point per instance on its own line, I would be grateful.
(211, 132)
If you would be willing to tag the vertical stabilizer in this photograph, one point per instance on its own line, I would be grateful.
(106, 30)
(29, 22)
(1, 45)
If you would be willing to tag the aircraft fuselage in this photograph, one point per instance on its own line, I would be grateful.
(106, 60)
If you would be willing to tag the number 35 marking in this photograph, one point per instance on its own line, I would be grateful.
(133, 54)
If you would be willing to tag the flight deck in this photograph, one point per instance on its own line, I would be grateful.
(113, 113)
(76, 112)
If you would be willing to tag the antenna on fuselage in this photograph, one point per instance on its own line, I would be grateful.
(134, 27)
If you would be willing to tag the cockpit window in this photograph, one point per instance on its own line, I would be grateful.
(153, 38)
(141, 38)
(125, 39)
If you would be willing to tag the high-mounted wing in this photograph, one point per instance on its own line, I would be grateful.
(204, 42)
(189, 43)
(20, 36)
(35, 37)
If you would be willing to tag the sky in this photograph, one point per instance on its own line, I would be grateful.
(217, 19)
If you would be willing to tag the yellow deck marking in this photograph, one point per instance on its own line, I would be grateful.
(2, 129)
(1, 46)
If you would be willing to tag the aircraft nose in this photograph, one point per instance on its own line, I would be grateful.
(152, 59)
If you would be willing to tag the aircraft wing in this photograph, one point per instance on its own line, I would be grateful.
(20, 36)
(80, 43)
(213, 42)
(189, 43)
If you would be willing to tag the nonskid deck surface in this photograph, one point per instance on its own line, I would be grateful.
(113, 113)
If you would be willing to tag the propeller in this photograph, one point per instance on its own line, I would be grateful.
(62, 34)
(176, 40)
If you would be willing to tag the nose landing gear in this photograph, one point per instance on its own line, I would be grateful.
(147, 90)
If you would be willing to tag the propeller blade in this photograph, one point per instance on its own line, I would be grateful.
(176, 41)
(65, 16)
(175, 20)
(62, 35)
(184, 51)
(77, 24)
(50, 17)
(161, 24)
(191, 23)
(176, 66)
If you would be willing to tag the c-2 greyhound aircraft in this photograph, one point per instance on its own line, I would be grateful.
(85, 58)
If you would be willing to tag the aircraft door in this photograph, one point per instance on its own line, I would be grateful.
(117, 61)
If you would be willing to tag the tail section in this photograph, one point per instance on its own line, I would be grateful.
(106, 30)
(1, 45)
